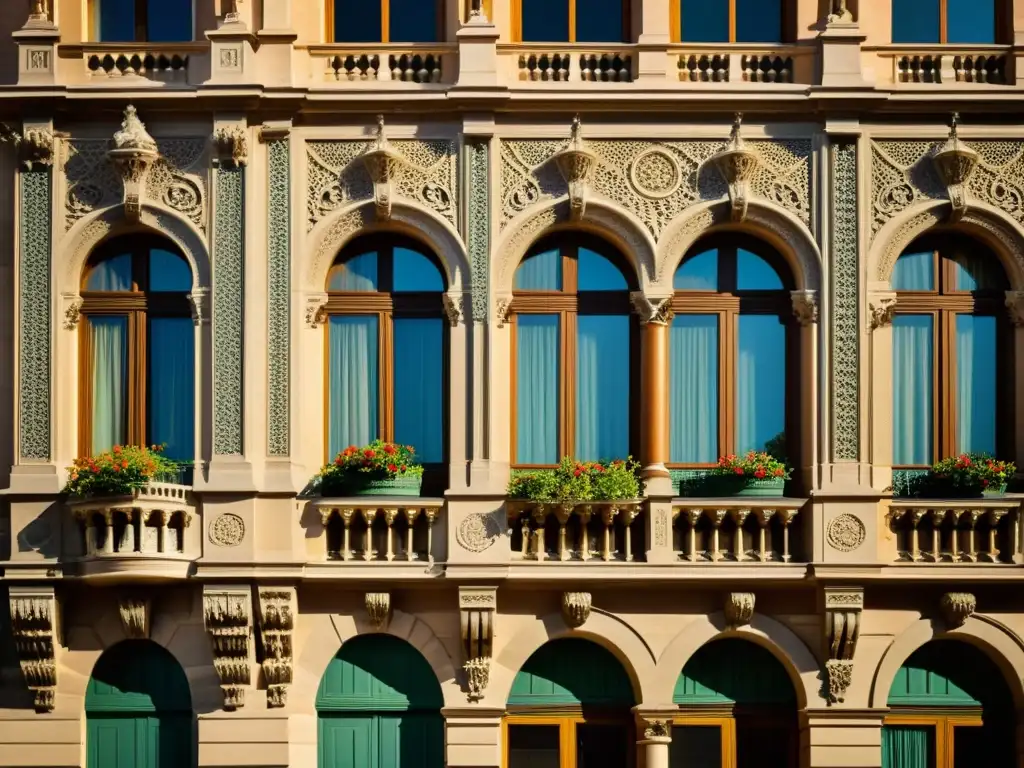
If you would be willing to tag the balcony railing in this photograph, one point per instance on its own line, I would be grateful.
(163, 63)
(959, 531)
(351, 64)
(379, 530)
(566, 63)
(740, 530)
(576, 532)
(944, 64)
(742, 64)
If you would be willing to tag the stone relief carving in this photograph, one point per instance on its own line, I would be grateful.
(845, 310)
(34, 628)
(737, 164)
(805, 306)
(227, 530)
(657, 729)
(279, 217)
(73, 312)
(881, 308)
(227, 614)
(232, 145)
(576, 608)
(576, 163)
(477, 609)
(34, 322)
(135, 613)
(452, 308)
(478, 227)
(955, 162)
(739, 608)
(36, 147)
(228, 293)
(843, 607)
(477, 532)
(845, 532)
(316, 309)
(278, 609)
(378, 608)
(957, 608)
(655, 311)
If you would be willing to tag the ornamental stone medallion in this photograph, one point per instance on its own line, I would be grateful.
(477, 532)
(656, 174)
(845, 532)
(227, 530)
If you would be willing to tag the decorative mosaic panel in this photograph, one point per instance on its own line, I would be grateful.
(845, 325)
(479, 226)
(278, 301)
(228, 316)
(34, 323)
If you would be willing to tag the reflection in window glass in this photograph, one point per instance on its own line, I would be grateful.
(971, 21)
(596, 273)
(758, 21)
(754, 273)
(706, 22)
(599, 21)
(419, 380)
(115, 21)
(357, 22)
(760, 382)
(537, 387)
(976, 383)
(415, 272)
(171, 388)
(168, 21)
(975, 272)
(534, 746)
(108, 345)
(540, 272)
(696, 746)
(168, 272)
(914, 272)
(356, 274)
(693, 383)
(545, 21)
(698, 273)
(602, 423)
(912, 371)
(412, 21)
(113, 274)
(915, 21)
(353, 397)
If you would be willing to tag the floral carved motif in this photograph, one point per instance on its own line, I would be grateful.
(227, 530)
(881, 308)
(232, 145)
(656, 311)
(576, 608)
(840, 675)
(958, 607)
(378, 608)
(477, 532)
(477, 609)
(34, 630)
(845, 532)
(135, 617)
(35, 147)
(805, 306)
(278, 608)
(842, 614)
(657, 729)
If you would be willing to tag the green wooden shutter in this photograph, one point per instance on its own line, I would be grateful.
(733, 671)
(344, 741)
(572, 671)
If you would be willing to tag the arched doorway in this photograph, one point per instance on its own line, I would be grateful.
(737, 709)
(570, 707)
(379, 706)
(138, 710)
(949, 707)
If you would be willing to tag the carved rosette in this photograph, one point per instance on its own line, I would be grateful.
(382, 165)
(231, 144)
(739, 608)
(805, 306)
(881, 308)
(576, 608)
(842, 610)
(955, 162)
(134, 154)
(135, 616)
(736, 164)
(576, 163)
(34, 147)
(378, 608)
(34, 628)
(1015, 307)
(477, 609)
(227, 613)
(957, 608)
(278, 608)
(652, 311)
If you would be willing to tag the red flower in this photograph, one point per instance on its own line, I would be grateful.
(759, 473)
(117, 449)
(390, 450)
(780, 472)
(600, 468)
(578, 472)
(738, 470)
(403, 467)
(368, 453)
(392, 468)
(338, 461)
(124, 464)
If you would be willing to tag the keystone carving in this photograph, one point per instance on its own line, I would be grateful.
(652, 311)
(477, 609)
(278, 607)
(842, 628)
(382, 164)
(34, 628)
(957, 608)
(232, 146)
(881, 308)
(736, 164)
(955, 162)
(805, 306)
(739, 608)
(576, 163)
(227, 613)
(35, 147)
(316, 309)
(135, 616)
(378, 608)
(576, 608)
(134, 155)
(1015, 307)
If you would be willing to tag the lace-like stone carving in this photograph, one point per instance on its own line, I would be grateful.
(228, 287)
(478, 228)
(34, 320)
(845, 320)
(424, 171)
(279, 296)
(654, 180)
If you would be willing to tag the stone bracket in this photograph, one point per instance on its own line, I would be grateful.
(739, 608)
(278, 608)
(382, 164)
(842, 610)
(477, 609)
(35, 145)
(881, 308)
(136, 616)
(227, 613)
(35, 622)
(957, 608)
(134, 154)
(576, 163)
(736, 164)
(576, 608)
(231, 145)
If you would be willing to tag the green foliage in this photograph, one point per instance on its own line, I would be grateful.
(753, 465)
(967, 474)
(119, 471)
(379, 459)
(579, 481)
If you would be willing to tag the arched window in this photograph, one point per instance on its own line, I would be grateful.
(732, 348)
(950, 352)
(571, 21)
(137, 359)
(142, 21)
(387, 347)
(964, 22)
(573, 354)
(384, 21)
(730, 21)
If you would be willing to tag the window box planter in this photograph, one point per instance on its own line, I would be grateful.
(364, 484)
(377, 469)
(724, 485)
(752, 474)
(967, 476)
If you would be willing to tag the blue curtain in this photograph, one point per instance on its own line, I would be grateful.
(413, 21)
(975, 272)
(758, 21)
(113, 274)
(704, 22)
(544, 21)
(760, 382)
(356, 274)
(353, 395)
(172, 386)
(915, 21)
(698, 273)
(419, 377)
(357, 22)
(415, 272)
(912, 361)
(537, 380)
(601, 23)
(108, 341)
(971, 22)
(906, 746)
(602, 386)
(540, 272)
(976, 383)
(693, 384)
(169, 21)
(168, 272)
(114, 21)
(914, 272)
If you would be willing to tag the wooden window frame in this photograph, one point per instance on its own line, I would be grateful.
(385, 22)
(727, 729)
(138, 306)
(944, 303)
(731, 718)
(517, 22)
(787, 24)
(141, 22)
(567, 719)
(728, 303)
(944, 722)
(568, 305)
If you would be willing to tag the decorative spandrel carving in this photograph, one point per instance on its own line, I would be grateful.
(845, 324)
(278, 608)
(227, 614)
(34, 629)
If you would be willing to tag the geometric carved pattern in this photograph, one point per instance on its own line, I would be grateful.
(478, 229)
(227, 612)
(228, 287)
(278, 607)
(34, 322)
(34, 631)
(845, 302)
(279, 295)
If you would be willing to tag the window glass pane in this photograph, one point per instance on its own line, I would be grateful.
(172, 386)
(971, 21)
(419, 381)
(358, 273)
(914, 272)
(915, 21)
(596, 273)
(352, 362)
(412, 21)
(599, 21)
(760, 382)
(114, 274)
(545, 21)
(693, 382)
(534, 746)
(698, 273)
(356, 22)
(115, 22)
(906, 746)
(696, 746)
(168, 21)
(599, 746)
(602, 381)
(108, 344)
(706, 22)
(754, 273)
(758, 21)
(912, 370)
(537, 377)
(976, 272)
(168, 272)
(540, 272)
(415, 272)
(976, 383)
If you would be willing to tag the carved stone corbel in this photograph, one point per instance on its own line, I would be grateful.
(576, 608)
(316, 309)
(805, 306)
(231, 144)
(739, 609)
(955, 162)
(382, 164)
(35, 631)
(378, 608)
(278, 608)
(656, 311)
(477, 609)
(199, 300)
(134, 155)
(72, 310)
(1015, 307)
(453, 308)
(957, 608)
(36, 146)
(843, 607)
(502, 309)
(881, 308)
(576, 163)
(227, 614)
(736, 164)
(135, 612)
(657, 730)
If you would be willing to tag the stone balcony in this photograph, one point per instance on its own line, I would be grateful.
(134, 64)
(364, 66)
(961, 532)
(945, 65)
(734, 531)
(601, 532)
(780, 65)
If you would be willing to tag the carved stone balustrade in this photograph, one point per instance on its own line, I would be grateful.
(530, 63)
(379, 529)
(735, 530)
(742, 64)
(156, 63)
(351, 65)
(943, 65)
(959, 531)
(599, 531)
(148, 535)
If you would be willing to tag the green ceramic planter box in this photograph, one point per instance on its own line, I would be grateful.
(361, 484)
(725, 485)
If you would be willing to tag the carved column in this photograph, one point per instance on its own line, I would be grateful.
(278, 609)
(842, 610)
(881, 309)
(655, 316)
(35, 629)
(227, 613)
(477, 609)
(805, 311)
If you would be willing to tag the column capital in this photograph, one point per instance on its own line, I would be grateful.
(656, 310)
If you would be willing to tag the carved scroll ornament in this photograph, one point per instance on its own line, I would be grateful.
(278, 607)
(227, 614)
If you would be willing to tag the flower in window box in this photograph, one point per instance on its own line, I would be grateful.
(576, 481)
(377, 469)
(755, 473)
(120, 471)
(968, 475)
